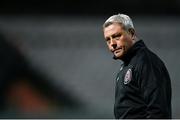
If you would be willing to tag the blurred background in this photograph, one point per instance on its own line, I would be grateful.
(55, 63)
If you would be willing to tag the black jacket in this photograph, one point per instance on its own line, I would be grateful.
(143, 86)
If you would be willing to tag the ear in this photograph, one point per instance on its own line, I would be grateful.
(132, 32)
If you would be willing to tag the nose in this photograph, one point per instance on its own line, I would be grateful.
(113, 43)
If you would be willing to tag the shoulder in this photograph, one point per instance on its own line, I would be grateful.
(146, 62)
(146, 57)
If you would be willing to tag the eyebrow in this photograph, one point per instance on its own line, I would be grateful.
(116, 34)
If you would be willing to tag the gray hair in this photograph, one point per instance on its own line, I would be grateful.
(123, 19)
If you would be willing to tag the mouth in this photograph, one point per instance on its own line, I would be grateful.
(117, 50)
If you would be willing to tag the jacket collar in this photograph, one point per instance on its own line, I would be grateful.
(132, 51)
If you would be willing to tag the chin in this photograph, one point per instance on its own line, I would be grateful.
(117, 57)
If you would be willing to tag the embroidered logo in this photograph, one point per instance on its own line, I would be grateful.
(128, 76)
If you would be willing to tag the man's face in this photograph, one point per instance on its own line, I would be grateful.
(118, 40)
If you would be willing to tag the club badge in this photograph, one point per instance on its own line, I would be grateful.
(128, 76)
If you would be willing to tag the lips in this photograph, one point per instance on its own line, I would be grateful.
(117, 50)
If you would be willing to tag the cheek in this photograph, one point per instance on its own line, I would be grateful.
(129, 43)
(108, 45)
(126, 42)
(122, 41)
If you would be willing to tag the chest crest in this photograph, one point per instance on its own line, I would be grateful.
(128, 76)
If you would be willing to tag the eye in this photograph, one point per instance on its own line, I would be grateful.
(117, 36)
(107, 39)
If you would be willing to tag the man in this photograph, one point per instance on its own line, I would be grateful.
(143, 86)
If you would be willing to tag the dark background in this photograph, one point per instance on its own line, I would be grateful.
(64, 40)
(91, 7)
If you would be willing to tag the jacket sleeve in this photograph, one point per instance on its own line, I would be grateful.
(156, 90)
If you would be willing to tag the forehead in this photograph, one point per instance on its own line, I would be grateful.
(112, 29)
